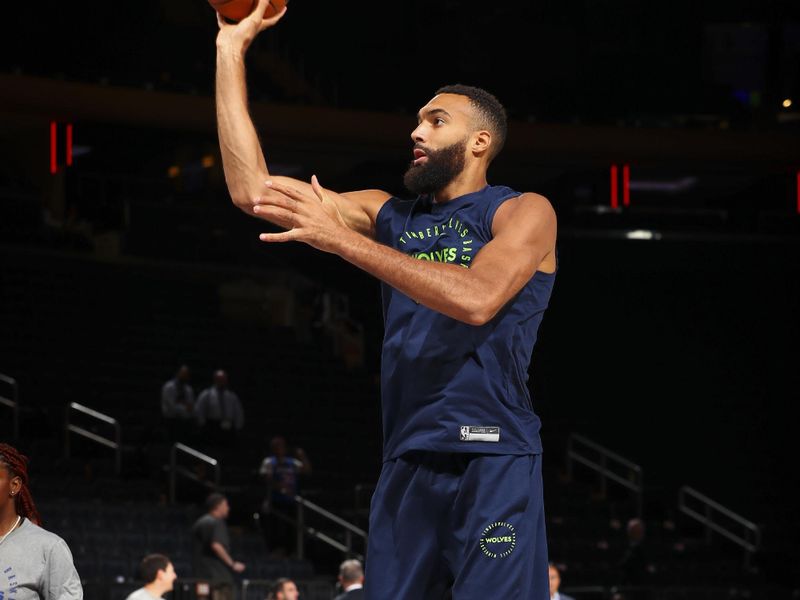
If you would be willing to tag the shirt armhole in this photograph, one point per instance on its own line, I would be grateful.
(381, 230)
(492, 209)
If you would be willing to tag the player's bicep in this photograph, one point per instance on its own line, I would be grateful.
(524, 235)
(363, 208)
(503, 267)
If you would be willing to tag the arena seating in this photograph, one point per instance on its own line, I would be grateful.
(289, 386)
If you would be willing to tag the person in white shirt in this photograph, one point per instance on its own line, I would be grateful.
(351, 579)
(177, 406)
(219, 411)
(555, 582)
(177, 396)
(159, 574)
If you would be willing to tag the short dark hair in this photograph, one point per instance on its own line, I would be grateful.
(151, 565)
(491, 113)
(277, 586)
(214, 500)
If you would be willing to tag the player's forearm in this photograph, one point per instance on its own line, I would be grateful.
(242, 158)
(449, 289)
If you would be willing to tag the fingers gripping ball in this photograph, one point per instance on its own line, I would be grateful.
(236, 10)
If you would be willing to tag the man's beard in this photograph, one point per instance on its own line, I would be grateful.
(441, 167)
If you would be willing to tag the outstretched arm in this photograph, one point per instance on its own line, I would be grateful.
(524, 235)
(242, 158)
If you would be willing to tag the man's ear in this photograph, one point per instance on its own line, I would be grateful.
(481, 141)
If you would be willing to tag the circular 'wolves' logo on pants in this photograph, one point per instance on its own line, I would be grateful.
(498, 539)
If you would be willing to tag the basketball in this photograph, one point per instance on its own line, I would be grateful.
(236, 10)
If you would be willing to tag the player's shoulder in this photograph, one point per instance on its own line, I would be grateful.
(527, 209)
(531, 201)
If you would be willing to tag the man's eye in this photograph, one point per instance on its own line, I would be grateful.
(439, 121)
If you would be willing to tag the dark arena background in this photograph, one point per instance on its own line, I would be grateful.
(667, 137)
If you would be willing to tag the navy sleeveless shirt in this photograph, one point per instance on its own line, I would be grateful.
(447, 386)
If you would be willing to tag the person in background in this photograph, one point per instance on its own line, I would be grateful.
(283, 589)
(219, 412)
(177, 404)
(351, 580)
(35, 564)
(159, 576)
(282, 473)
(211, 543)
(635, 567)
(555, 583)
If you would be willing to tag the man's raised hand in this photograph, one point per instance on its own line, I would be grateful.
(315, 220)
(242, 34)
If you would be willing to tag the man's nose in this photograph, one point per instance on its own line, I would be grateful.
(418, 135)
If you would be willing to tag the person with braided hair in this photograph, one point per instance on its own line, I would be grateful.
(35, 564)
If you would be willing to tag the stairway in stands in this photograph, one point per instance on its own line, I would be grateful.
(110, 523)
(108, 336)
(79, 330)
(587, 540)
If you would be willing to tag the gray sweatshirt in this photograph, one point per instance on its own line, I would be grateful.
(37, 565)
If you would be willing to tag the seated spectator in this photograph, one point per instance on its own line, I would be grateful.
(555, 583)
(177, 404)
(283, 589)
(219, 412)
(159, 576)
(351, 580)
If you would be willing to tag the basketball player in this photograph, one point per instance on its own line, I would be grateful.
(467, 270)
(35, 564)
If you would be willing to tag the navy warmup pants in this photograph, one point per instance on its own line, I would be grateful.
(467, 524)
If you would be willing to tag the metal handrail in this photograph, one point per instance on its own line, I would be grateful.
(606, 456)
(303, 530)
(750, 541)
(175, 469)
(115, 444)
(12, 403)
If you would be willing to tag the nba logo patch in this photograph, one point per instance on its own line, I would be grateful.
(479, 433)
